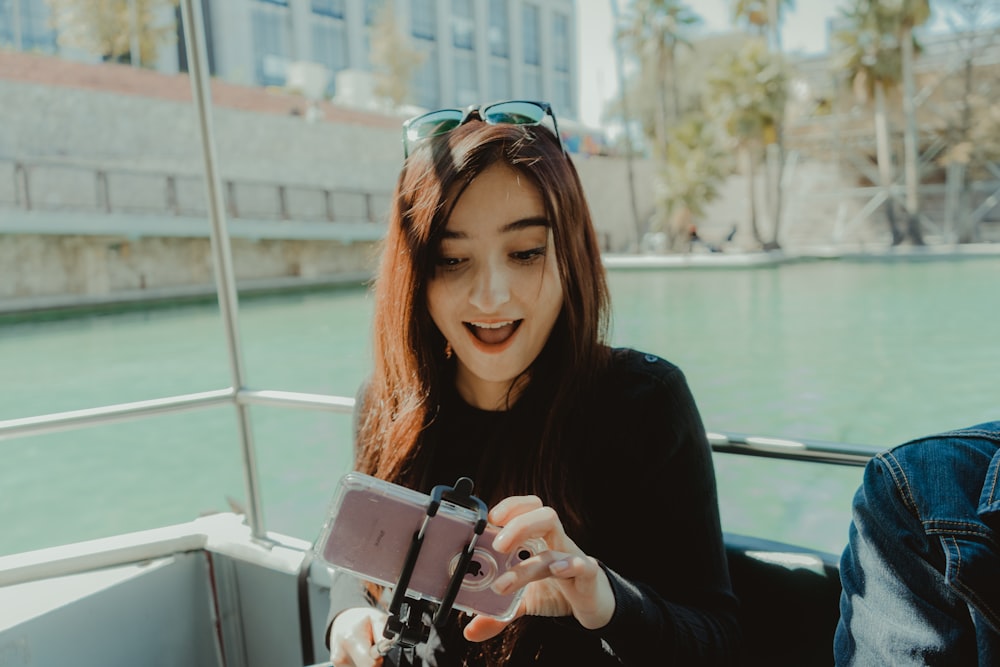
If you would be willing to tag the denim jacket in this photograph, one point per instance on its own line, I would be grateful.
(921, 574)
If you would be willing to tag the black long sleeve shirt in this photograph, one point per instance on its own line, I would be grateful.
(649, 504)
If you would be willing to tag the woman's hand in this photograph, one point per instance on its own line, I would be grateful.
(562, 581)
(353, 636)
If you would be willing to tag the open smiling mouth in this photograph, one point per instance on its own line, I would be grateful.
(493, 333)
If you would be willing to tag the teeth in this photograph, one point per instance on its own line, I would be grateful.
(492, 325)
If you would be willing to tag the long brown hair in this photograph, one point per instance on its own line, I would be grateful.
(404, 391)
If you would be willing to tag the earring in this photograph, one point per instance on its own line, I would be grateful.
(447, 350)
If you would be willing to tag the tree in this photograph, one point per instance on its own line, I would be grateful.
(112, 28)
(627, 126)
(696, 163)
(652, 31)
(911, 14)
(868, 54)
(764, 17)
(748, 90)
(393, 58)
(971, 129)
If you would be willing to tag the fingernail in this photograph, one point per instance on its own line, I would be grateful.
(558, 566)
(499, 541)
(503, 583)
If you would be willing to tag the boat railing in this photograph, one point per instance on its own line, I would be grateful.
(812, 451)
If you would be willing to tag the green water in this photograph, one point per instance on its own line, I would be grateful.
(861, 352)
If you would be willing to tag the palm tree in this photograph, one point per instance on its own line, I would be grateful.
(696, 164)
(764, 18)
(911, 13)
(627, 124)
(748, 91)
(652, 30)
(868, 54)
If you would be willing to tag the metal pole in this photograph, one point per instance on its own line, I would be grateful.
(135, 54)
(224, 276)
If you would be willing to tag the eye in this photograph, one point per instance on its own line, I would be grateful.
(448, 263)
(528, 255)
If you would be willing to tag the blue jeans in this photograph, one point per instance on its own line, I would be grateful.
(921, 574)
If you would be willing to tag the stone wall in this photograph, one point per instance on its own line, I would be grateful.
(123, 119)
(42, 271)
(59, 115)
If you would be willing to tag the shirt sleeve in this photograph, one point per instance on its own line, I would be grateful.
(660, 539)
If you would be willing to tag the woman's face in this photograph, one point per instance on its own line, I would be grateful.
(495, 293)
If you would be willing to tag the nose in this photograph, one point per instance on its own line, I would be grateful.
(491, 287)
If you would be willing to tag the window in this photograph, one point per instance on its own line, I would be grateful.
(466, 89)
(426, 82)
(331, 8)
(329, 45)
(533, 82)
(6, 22)
(562, 96)
(35, 33)
(530, 30)
(499, 80)
(498, 29)
(560, 42)
(463, 25)
(372, 8)
(423, 19)
(270, 43)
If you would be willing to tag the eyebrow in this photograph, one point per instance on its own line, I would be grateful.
(516, 225)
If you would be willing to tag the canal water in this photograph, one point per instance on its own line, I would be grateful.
(871, 352)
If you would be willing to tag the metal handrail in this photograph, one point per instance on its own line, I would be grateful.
(121, 412)
(813, 451)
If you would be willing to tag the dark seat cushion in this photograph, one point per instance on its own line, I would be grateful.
(789, 601)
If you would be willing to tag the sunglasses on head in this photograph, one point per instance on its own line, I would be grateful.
(442, 121)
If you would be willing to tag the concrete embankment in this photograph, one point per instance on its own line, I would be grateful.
(102, 185)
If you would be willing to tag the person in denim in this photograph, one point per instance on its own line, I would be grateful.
(921, 574)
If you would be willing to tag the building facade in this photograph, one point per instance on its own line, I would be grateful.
(24, 26)
(473, 50)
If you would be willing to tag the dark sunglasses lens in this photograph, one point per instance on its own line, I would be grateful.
(513, 113)
(433, 124)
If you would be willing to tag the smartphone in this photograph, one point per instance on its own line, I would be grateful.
(371, 524)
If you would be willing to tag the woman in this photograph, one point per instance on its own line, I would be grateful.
(490, 362)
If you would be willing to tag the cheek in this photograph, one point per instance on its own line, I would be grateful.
(552, 291)
(440, 303)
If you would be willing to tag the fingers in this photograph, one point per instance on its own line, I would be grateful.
(522, 524)
(352, 638)
(560, 581)
(482, 628)
(556, 564)
(510, 507)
